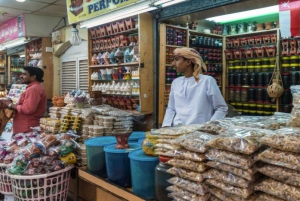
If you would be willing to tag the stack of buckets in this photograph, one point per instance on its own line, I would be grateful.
(125, 167)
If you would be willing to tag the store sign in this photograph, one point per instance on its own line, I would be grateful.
(80, 10)
(289, 17)
(12, 29)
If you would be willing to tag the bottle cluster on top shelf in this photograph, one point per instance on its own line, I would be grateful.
(176, 36)
(34, 53)
(205, 41)
(121, 73)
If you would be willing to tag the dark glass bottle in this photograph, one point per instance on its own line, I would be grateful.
(260, 79)
(258, 95)
(251, 94)
(286, 97)
(294, 78)
(267, 78)
(161, 177)
(231, 79)
(286, 80)
(252, 79)
(245, 79)
(238, 79)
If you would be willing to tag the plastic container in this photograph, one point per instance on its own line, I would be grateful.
(143, 174)
(136, 135)
(161, 177)
(140, 141)
(118, 164)
(95, 154)
(5, 181)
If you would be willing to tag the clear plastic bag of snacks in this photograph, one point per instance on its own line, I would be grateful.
(164, 152)
(187, 195)
(214, 127)
(194, 142)
(282, 174)
(267, 197)
(246, 174)
(238, 140)
(234, 159)
(295, 89)
(228, 178)
(240, 192)
(198, 188)
(186, 174)
(281, 158)
(186, 154)
(171, 131)
(278, 189)
(227, 197)
(176, 197)
(284, 139)
(188, 164)
(166, 146)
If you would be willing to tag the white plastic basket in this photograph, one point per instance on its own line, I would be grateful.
(5, 181)
(48, 187)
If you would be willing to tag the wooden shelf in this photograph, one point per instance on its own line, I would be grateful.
(256, 45)
(176, 27)
(115, 80)
(120, 95)
(205, 34)
(245, 59)
(116, 65)
(31, 52)
(174, 46)
(131, 31)
(124, 47)
(252, 33)
(206, 46)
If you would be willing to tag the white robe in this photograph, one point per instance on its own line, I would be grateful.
(194, 103)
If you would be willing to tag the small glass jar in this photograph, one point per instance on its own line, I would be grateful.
(251, 94)
(258, 69)
(272, 61)
(245, 106)
(244, 94)
(259, 107)
(239, 106)
(238, 69)
(252, 79)
(237, 63)
(245, 112)
(264, 68)
(265, 96)
(285, 99)
(231, 79)
(268, 113)
(265, 61)
(294, 78)
(245, 79)
(274, 107)
(257, 62)
(294, 59)
(258, 95)
(260, 113)
(260, 79)
(237, 94)
(267, 78)
(286, 67)
(244, 69)
(271, 68)
(267, 108)
(252, 113)
(286, 76)
(231, 70)
(238, 79)
(250, 69)
(231, 94)
(252, 106)
(294, 67)
(285, 60)
(230, 64)
(250, 62)
(233, 104)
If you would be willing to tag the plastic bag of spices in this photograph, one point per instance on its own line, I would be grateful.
(281, 158)
(214, 127)
(278, 189)
(244, 173)
(227, 197)
(186, 154)
(186, 174)
(267, 197)
(235, 191)
(188, 164)
(198, 188)
(187, 195)
(282, 174)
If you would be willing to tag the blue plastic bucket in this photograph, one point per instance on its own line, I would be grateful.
(143, 173)
(140, 141)
(136, 135)
(95, 154)
(118, 164)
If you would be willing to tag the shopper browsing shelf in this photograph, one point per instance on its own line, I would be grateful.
(194, 98)
(32, 103)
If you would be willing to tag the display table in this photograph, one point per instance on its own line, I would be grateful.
(105, 190)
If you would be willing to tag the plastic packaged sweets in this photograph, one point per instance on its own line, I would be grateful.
(227, 197)
(234, 159)
(281, 158)
(166, 146)
(286, 140)
(176, 197)
(198, 188)
(267, 197)
(214, 198)
(240, 192)
(246, 174)
(186, 154)
(278, 189)
(186, 174)
(214, 127)
(188, 164)
(194, 142)
(281, 174)
(237, 140)
(228, 178)
(171, 131)
(187, 195)
(164, 152)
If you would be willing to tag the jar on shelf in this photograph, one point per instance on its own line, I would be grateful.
(233, 104)
(252, 112)
(268, 113)
(161, 179)
(259, 107)
(252, 106)
(237, 63)
(285, 60)
(271, 68)
(231, 64)
(294, 78)
(245, 112)
(267, 78)
(250, 69)
(244, 69)
(238, 69)
(244, 94)
(237, 94)
(285, 99)
(245, 106)
(231, 94)
(231, 70)
(287, 108)
(265, 96)
(265, 61)
(265, 68)
(252, 79)
(274, 107)
(294, 67)
(239, 106)
(294, 59)
(286, 80)
(250, 62)
(257, 62)
(258, 95)
(258, 69)
(260, 79)
(286, 67)
(243, 63)
(272, 60)
(267, 108)
(251, 94)
(231, 79)
(245, 79)
(238, 79)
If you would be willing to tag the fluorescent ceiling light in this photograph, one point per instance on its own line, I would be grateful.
(161, 2)
(22, 55)
(20, 0)
(172, 2)
(245, 14)
(13, 43)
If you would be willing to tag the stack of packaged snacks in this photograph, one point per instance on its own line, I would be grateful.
(294, 121)
(232, 159)
(281, 165)
(54, 112)
(189, 167)
(50, 125)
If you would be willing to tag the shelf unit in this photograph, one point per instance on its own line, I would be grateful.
(144, 64)
(15, 67)
(213, 59)
(2, 74)
(43, 61)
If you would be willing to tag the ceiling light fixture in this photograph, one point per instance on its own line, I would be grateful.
(245, 14)
(13, 43)
(20, 0)
(75, 38)
(169, 3)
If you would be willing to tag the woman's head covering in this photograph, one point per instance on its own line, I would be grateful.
(194, 56)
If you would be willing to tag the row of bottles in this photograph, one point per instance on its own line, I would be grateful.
(252, 65)
(119, 88)
(176, 36)
(254, 109)
(122, 73)
(249, 79)
(251, 95)
(205, 41)
(171, 74)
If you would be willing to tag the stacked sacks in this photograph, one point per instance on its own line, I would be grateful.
(189, 167)
(281, 166)
(232, 159)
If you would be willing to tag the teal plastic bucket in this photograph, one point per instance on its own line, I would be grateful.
(143, 173)
(140, 141)
(118, 164)
(95, 154)
(136, 135)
